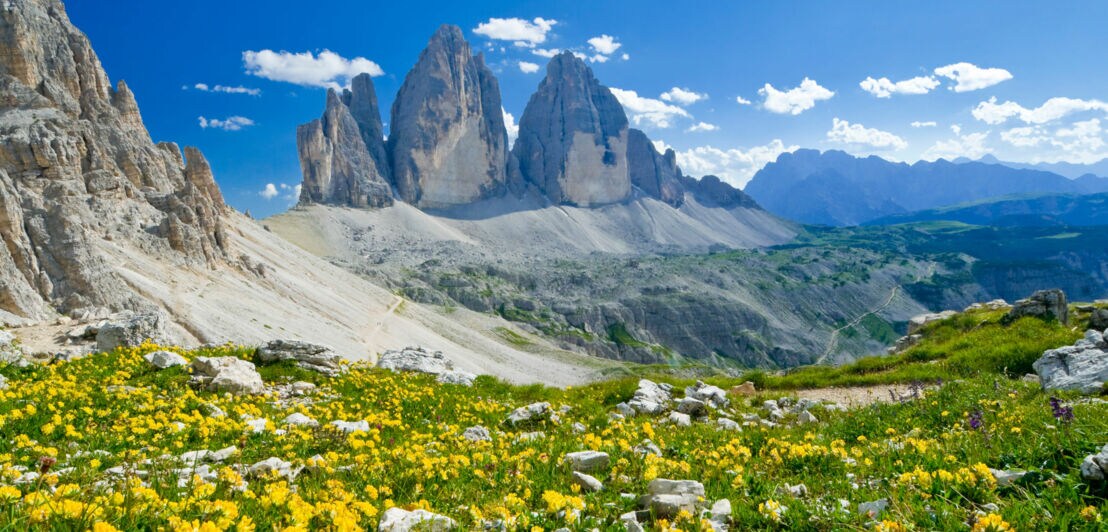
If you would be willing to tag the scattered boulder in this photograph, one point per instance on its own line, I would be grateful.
(666, 498)
(1097, 320)
(1007, 478)
(1044, 304)
(587, 461)
(3, 382)
(587, 482)
(648, 447)
(720, 515)
(531, 413)
(270, 466)
(797, 491)
(651, 397)
(351, 426)
(197, 457)
(713, 396)
(400, 520)
(728, 424)
(679, 419)
(415, 359)
(477, 433)
(806, 417)
(300, 420)
(996, 304)
(873, 508)
(904, 343)
(692, 407)
(1082, 366)
(131, 330)
(922, 320)
(461, 378)
(1094, 468)
(10, 353)
(165, 359)
(308, 356)
(227, 374)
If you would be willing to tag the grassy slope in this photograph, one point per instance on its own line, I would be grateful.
(413, 455)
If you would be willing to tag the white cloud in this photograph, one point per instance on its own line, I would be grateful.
(653, 112)
(885, 88)
(956, 129)
(796, 100)
(971, 146)
(522, 32)
(858, 135)
(546, 52)
(604, 44)
(203, 87)
(970, 77)
(511, 125)
(1053, 109)
(930, 123)
(702, 126)
(742, 101)
(1079, 142)
(231, 123)
(626, 56)
(598, 58)
(681, 96)
(327, 69)
(269, 192)
(734, 166)
(528, 68)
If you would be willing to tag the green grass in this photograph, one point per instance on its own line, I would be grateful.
(512, 337)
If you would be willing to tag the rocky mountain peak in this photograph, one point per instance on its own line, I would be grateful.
(573, 137)
(78, 168)
(447, 140)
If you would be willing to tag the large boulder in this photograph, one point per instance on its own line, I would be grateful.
(651, 397)
(1099, 319)
(308, 356)
(573, 138)
(164, 359)
(1044, 304)
(1082, 367)
(666, 498)
(400, 520)
(132, 330)
(1094, 468)
(447, 139)
(227, 374)
(922, 320)
(415, 359)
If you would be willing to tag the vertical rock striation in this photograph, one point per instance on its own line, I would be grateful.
(657, 175)
(78, 168)
(447, 140)
(573, 138)
(342, 154)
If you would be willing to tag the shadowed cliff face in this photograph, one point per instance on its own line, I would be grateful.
(77, 166)
(447, 140)
(573, 138)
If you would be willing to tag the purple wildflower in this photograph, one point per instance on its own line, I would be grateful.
(976, 420)
(1061, 411)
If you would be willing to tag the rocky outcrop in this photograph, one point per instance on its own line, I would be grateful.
(447, 140)
(312, 357)
(1044, 304)
(657, 175)
(77, 167)
(573, 138)
(227, 374)
(342, 154)
(711, 191)
(1082, 366)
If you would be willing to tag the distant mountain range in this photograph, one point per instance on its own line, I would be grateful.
(835, 188)
(1070, 170)
(1017, 211)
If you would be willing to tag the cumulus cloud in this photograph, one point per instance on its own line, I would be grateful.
(844, 132)
(969, 77)
(511, 125)
(648, 110)
(681, 96)
(702, 126)
(327, 69)
(734, 166)
(546, 52)
(971, 146)
(1053, 109)
(269, 191)
(604, 44)
(528, 68)
(625, 56)
(598, 58)
(231, 123)
(930, 123)
(742, 101)
(524, 33)
(204, 87)
(1079, 142)
(796, 100)
(885, 88)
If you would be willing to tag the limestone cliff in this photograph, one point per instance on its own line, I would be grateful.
(573, 138)
(78, 167)
(447, 140)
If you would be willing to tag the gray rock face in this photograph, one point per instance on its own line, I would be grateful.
(447, 140)
(1094, 468)
(131, 330)
(667, 498)
(922, 320)
(573, 138)
(531, 413)
(415, 359)
(400, 520)
(1045, 304)
(165, 359)
(342, 154)
(227, 374)
(651, 397)
(1099, 319)
(657, 175)
(587, 461)
(1082, 366)
(77, 166)
(308, 356)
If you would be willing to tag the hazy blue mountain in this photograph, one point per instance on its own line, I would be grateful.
(1017, 211)
(836, 188)
(1070, 170)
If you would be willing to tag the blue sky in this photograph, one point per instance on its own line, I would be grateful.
(1025, 81)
